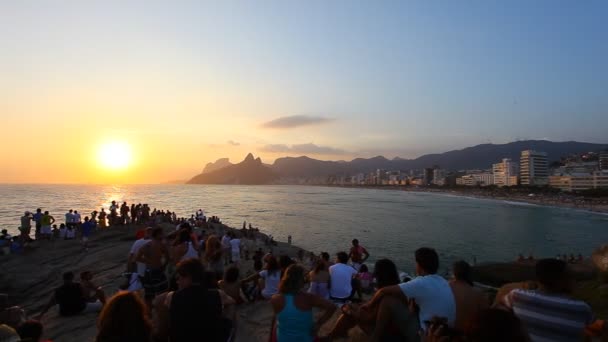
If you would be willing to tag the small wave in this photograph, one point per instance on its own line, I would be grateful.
(524, 204)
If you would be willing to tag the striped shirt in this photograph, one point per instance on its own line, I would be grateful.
(550, 318)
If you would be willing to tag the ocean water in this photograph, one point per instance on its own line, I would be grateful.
(389, 223)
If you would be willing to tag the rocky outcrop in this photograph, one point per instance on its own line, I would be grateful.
(218, 165)
(250, 171)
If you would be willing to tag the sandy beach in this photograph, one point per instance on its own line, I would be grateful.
(30, 279)
(595, 205)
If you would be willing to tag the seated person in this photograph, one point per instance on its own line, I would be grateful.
(70, 299)
(231, 284)
(91, 291)
(12, 316)
(390, 319)
(550, 313)
(469, 300)
(341, 279)
(430, 292)
(365, 280)
(319, 280)
(30, 331)
(62, 231)
(268, 278)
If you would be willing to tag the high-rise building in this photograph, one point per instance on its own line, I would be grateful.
(604, 160)
(505, 173)
(533, 168)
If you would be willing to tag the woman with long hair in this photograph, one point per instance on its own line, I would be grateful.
(124, 318)
(213, 256)
(271, 276)
(319, 280)
(293, 308)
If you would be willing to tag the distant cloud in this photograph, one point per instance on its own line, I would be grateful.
(302, 149)
(233, 143)
(295, 121)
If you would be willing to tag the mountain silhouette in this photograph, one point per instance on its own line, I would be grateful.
(250, 171)
(219, 164)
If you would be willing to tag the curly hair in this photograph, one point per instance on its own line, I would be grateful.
(293, 280)
(124, 317)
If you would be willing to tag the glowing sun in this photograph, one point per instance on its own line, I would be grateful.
(115, 155)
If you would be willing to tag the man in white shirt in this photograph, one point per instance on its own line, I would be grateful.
(341, 277)
(235, 245)
(69, 219)
(76, 218)
(139, 268)
(226, 248)
(429, 291)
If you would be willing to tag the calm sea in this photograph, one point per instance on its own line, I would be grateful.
(388, 223)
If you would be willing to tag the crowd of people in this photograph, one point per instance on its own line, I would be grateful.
(187, 284)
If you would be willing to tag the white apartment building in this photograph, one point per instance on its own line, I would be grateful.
(533, 168)
(481, 179)
(580, 181)
(505, 173)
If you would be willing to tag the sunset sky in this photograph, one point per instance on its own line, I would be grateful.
(184, 83)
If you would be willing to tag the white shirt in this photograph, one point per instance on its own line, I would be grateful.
(70, 234)
(434, 297)
(76, 218)
(62, 232)
(69, 217)
(141, 267)
(341, 277)
(236, 245)
(271, 283)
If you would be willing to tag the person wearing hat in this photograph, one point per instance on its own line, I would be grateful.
(26, 225)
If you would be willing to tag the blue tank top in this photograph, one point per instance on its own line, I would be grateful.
(293, 324)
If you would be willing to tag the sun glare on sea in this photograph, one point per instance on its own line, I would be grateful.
(115, 155)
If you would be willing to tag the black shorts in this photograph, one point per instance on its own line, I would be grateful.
(154, 282)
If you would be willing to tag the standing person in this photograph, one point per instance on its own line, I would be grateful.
(429, 291)
(155, 256)
(103, 223)
(87, 230)
(550, 313)
(469, 300)
(226, 248)
(69, 218)
(293, 308)
(133, 214)
(341, 278)
(124, 318)
(124, 213)
(46, 229)
(358, 254)
(188, 319)
(235, 246)
(137, 268)
(77, 219)
(38, 219)
(213, 256)
(26, 226)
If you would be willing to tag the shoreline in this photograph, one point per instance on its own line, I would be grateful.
(540, 200)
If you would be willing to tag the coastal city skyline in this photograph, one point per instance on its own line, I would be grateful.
(92, 94)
